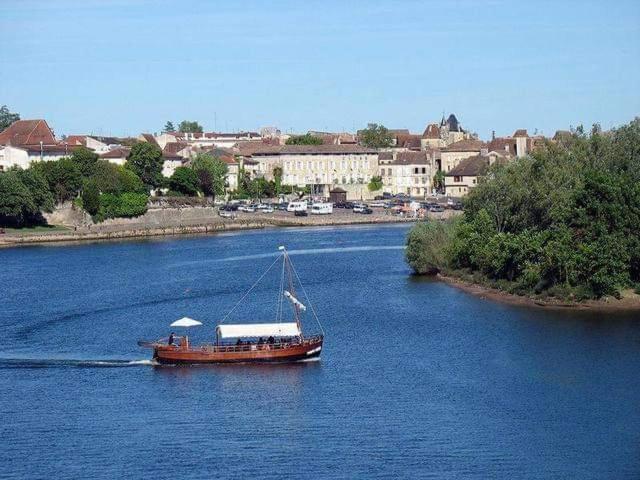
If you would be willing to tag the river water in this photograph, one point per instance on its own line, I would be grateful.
(417, 379)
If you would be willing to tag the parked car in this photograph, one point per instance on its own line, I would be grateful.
(436, 208)
(300, 213)
(296, 206)
(283, 206)
(457, 205)
(321, 208)
(378, 197)
(266, 209)
(249, 208)
(366, 211)
(230, 207)
(226, 213)
(359, 207)
(386, 195)
(377, 204)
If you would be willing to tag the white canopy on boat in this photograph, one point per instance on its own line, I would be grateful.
(258, 330)
(186, 322)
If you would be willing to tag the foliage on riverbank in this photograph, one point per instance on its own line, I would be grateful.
(103, 189)
(564, 222)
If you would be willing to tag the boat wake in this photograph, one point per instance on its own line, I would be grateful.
(315, 251)
(10, 363)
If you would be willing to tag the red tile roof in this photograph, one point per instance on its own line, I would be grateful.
(314, 149)
(470, 167)
(172, 148)
(122, 152)
(150, 138)
(27, 132)
(432, 131)
(411, 158)
(468, 145)
(75, 140)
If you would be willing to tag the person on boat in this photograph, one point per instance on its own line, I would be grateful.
(239, 342)
(271, 340)
(171, 338)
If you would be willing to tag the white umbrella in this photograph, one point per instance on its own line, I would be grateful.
(186, 322)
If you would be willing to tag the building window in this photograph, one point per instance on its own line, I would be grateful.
(424, 170)
(457, 179)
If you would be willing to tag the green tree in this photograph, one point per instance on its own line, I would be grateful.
(39, 189)
(145, 160)
(212, 174)
(7, 117)
(563, 222)
(259, 188)
(375, 136)
(375, 184)
(438, 181)
(184, 180)
(91, 197)
(187, 126)
(16, 202)
(306, 139)
(63, 176)
(168, 127)
(116, 179)
(277, 179)
(85, 159)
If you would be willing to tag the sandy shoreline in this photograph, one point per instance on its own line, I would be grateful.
(629, 302)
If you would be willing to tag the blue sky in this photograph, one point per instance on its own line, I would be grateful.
(123, 67)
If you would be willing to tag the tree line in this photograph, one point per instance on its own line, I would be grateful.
(102, 189)
(562, 222)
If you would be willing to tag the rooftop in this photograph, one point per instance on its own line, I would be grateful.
(470, 167)
(28, 132)
(467, 145)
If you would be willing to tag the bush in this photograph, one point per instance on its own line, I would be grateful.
(427, 246)
(126, 205)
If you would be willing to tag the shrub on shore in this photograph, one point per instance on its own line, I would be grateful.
(563, 222)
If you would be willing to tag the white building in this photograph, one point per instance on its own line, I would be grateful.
(409, 173)
(321, 166)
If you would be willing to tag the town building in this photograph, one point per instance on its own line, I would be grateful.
(466, 174)
(97, 144)
(117, 155)
(407, 172)
(208, 139)
(442, 135)
(27, 141)
(453, 154)
(519, 144)
(320, 166)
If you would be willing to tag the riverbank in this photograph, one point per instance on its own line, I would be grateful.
(185, 222)
(630, 300)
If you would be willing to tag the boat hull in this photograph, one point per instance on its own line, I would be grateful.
(172, 355)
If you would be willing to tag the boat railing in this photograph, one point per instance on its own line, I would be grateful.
(250, 347)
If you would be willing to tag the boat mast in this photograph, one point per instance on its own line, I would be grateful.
(292, 291)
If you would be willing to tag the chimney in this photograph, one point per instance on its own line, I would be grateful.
(493, 134)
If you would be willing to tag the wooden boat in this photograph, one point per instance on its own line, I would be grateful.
(276, 342)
